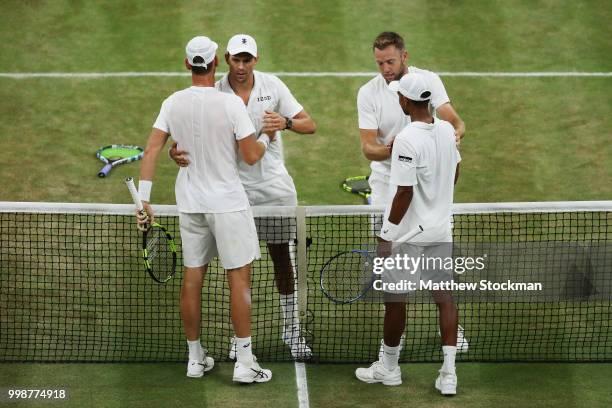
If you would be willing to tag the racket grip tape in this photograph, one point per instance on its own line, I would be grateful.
(105, 170)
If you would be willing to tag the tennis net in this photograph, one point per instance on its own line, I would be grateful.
(72, 287)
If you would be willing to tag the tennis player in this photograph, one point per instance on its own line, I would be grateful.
(214, 213)
(381, 119)
(272, 109)
(424, 170)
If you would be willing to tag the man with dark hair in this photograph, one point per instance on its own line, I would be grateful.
(272, 109)
(214, 213)
(381, 119)
(424, 170)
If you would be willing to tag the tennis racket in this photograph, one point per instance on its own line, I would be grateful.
(158, 247)
(348, 276)
(358, 185)
(115, 155)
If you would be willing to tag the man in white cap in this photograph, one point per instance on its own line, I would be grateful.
(381, 119)
(424, 170)
(214, 213)
(272, 109)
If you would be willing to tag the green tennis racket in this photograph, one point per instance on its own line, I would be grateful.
(158, 247)
(115, 155)
(358, 185)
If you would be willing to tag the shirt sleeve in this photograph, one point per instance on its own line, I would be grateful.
(458, 155)
(366, 110)
(288, 106)
(161, 122)
(438, 93)
(403, 163)
(241, 123)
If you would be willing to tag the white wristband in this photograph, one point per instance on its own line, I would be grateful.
(264, 139)
(389, 231)
(144, 189)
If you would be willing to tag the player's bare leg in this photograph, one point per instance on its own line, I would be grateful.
(446, 382)
(285, 283)
(386, 369)
(191, 306)
(246, 369)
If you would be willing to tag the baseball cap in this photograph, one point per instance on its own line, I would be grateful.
(201, 46)
(412, 86)
(242, 43)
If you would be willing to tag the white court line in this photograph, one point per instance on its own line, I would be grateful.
(26, 75)
(302, 385)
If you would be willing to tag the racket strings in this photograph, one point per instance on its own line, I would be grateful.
(347, 276)
(159, 254)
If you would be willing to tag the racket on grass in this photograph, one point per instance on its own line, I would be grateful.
(358, 185)
(348, 276)
(115, 155)
(158, 247)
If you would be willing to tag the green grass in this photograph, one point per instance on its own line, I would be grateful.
(527, 139)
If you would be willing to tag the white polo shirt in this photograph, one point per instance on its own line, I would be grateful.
(207, 123)
(269, 93)
(378, 109)
(425, 156)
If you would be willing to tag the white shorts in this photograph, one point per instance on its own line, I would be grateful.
(231, 236)
(433, 267)
(379, 185)
(275, 230)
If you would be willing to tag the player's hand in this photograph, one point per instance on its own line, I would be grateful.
(272, 121)
(179, 156)
(384, 248)
(145, 218)
(458, 136)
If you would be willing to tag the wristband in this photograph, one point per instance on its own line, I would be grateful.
(389, 231)
(264, 139)
(144, 190)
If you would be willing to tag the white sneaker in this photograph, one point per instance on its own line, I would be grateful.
(378, 373)
(382, 344)
(462, 343)
(297, 343)
(254, 373)
(446, 383)
(197, 368)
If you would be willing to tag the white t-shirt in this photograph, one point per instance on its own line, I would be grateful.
(425, 156)
(378, 109)
(268, 93)
(207, 123)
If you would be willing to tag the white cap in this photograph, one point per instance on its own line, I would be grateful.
(242, 43)
(412, 86)
(201, 46)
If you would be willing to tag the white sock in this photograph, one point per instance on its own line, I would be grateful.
(244, 352)
(289, 306)
(390, 356)
(195, 350)
(449, 358)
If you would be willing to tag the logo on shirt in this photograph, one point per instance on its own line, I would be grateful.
(264, 98)
(405, 159)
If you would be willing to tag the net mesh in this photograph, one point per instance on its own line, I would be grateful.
(73, 288)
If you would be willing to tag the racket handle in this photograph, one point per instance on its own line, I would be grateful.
(129, 182)
(105, 170)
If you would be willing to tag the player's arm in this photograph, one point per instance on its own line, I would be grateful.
(180, 157)
(252, 149)
(457, 173)
(370, 146)
(447, 112)
(300, 123)
(155, 144)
